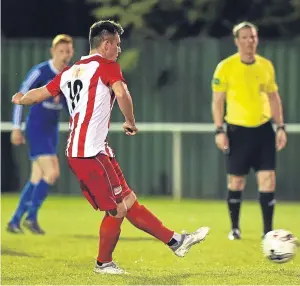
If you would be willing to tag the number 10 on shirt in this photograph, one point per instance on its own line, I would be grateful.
(74, 91)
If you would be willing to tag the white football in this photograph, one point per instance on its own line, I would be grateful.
(279, 245)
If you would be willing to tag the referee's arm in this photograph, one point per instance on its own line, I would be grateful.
(218, 103)
(274, 98)
(276, 108)
(219, 88)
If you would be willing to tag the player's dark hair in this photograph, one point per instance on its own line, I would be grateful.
(100, 30)
(236, 29)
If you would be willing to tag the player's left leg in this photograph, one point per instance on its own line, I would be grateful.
(145, 220)
(50, 168)
(25, 198)
(100, 185)
(265, 164)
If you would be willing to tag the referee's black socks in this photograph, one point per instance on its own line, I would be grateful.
(234, 204)
(267, 203)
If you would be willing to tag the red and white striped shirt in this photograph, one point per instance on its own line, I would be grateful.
(87, 88)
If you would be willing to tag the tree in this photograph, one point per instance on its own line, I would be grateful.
(177, 19)
(160, 18)
(174, 19)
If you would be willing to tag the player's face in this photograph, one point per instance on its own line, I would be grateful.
(62, 53)
(247, 41)
(113, 48)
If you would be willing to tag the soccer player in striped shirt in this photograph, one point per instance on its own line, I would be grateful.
(91, 87)
(41, 135)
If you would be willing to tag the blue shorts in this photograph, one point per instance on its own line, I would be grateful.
(41, 142)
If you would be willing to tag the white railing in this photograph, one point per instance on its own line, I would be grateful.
(176, 129)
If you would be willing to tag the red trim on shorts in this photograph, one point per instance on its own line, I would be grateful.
(72, 134)
(89, 112)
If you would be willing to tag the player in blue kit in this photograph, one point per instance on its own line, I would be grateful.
(41, 134)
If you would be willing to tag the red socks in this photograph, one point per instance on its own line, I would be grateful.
(143, 219)
(110, 230)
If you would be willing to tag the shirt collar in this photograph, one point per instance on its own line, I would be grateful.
(52, 67)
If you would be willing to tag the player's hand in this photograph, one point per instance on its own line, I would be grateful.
(17, 137)
(281, 139)
(221, 140)
(129, 128)
(16, 98)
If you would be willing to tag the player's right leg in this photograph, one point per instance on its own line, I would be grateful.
(265, 165)
(25, 198)
(238, 165)
(101, 187)
(145, 220)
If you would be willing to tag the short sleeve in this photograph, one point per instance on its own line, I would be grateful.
(219, 82)
(112, 73)
(54, 85)
(272, 85)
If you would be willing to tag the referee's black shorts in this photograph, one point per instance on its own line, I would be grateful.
(252, 147)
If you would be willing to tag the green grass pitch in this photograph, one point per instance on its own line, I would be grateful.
(66, 254)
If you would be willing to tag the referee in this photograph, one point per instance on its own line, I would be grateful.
(246, 82)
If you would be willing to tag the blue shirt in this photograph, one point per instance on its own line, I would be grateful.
(45, 114)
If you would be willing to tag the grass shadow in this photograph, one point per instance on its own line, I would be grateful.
(9, 252)
(82, 236)
(159, 280)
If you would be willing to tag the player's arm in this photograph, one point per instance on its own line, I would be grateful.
(32, 80)
(16, 135)
(31, 97)
(40, 94)
(115, 80)
(124, 100)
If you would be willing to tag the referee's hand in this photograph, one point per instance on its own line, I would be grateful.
(281, 139)
(222, 142)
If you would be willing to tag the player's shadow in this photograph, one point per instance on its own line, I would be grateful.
(9, 252)
(82, 236)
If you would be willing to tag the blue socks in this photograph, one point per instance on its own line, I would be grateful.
(38, 196)
(24, 204)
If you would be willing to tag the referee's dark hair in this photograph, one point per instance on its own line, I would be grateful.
(100, 31)
(238, 27)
